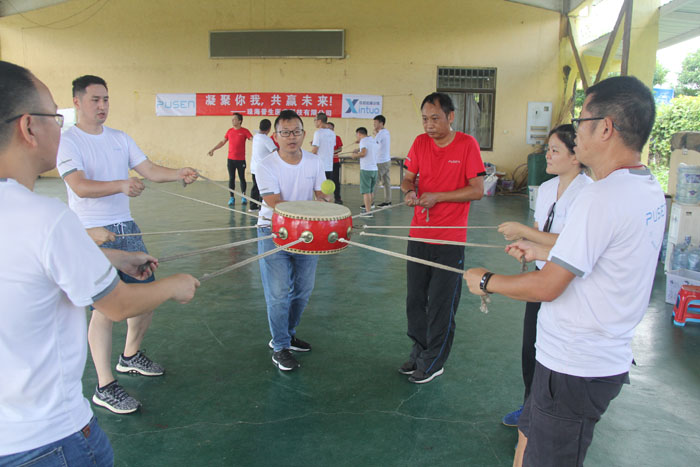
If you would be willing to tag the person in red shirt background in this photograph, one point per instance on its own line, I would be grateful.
(236, 138)
(336, 164)
(451, 176)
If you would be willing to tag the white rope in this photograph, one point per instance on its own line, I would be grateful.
(233, 192)
(428, 227)
(485, 299)
(431, 240)
(252, 259)
(201, 201)
(213, 229)
(362, 214)
(213, 248)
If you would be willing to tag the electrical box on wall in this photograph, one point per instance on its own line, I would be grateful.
(539, 122)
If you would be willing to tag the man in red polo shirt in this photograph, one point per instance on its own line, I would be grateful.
(451, 175)
(236, 138)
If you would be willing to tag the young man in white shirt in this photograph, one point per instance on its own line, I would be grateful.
(596, 284)
(323, 143)
(383, 139)
(49, 271)
(94, 161)
(367, 154)
(290, 174)
(263, 145)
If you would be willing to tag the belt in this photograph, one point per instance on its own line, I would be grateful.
(86, 430)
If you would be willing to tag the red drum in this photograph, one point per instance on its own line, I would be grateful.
(319, 224)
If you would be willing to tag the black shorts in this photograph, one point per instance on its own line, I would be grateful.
(560, 414)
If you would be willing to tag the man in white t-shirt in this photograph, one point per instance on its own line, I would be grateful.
(290, 174)
(383, 139)
(367, 153)
(94, 161)
(263, 145)
(596, 284)
(323, 143)
(49, 272)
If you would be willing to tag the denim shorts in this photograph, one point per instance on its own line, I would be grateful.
(134, 243)
(87, 447)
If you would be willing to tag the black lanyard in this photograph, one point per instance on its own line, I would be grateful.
(550, 218)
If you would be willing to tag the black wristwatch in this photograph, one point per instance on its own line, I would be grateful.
(484, 281)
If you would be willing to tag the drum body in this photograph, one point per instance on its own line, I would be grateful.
(319, 224)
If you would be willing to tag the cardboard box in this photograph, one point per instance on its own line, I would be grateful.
(674, 281)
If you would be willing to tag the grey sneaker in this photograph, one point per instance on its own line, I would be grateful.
(408, 368)
(139, 364)
(113, 397)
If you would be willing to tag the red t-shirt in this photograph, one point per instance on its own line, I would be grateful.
(443, 169)
(236, 143)
(338, 144)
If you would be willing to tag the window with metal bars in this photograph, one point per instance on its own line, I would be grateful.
(473, 91)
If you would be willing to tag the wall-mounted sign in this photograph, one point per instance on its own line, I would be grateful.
(268, 104)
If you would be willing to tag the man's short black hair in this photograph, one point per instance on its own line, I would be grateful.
(441, 99)
(80, 84)
(380, 118)
(240, 117)
(331, 124)
(629, 103)
(18, 94)
(265, 124)
(362, 130)
(322, 117)
(287, 115)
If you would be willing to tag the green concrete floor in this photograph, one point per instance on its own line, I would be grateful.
(223, 403)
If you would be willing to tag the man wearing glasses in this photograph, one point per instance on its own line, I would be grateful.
(49, 271)
(596, 283)
(94, 161)
(290, 174)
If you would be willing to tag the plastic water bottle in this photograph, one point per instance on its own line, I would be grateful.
(679, 260)
(694, 259)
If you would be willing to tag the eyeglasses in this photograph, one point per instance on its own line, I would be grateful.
(57, 117)
(575, 122)
(288, 133)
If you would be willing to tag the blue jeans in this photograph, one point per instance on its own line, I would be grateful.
(288, 280)
(87, 447)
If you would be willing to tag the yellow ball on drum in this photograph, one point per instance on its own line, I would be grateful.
(327, 187)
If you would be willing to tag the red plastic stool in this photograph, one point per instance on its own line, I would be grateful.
(687, 306)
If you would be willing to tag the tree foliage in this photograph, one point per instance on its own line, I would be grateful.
(682, 114)
(660, 74)
(689, 78)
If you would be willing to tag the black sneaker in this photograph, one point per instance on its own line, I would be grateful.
(363, 209)
(419, 377)
(408, 368)
(297, 345)
(284, 360)
(388, 203)
(338, 201)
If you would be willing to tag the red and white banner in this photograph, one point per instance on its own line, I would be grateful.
(268, 104)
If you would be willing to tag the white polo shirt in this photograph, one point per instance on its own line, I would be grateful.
(50, 270)
(324, 140)
(105, 157)
(369, 161)
(611, 243)
(383, 140)
(292, 182)
(262, 146)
